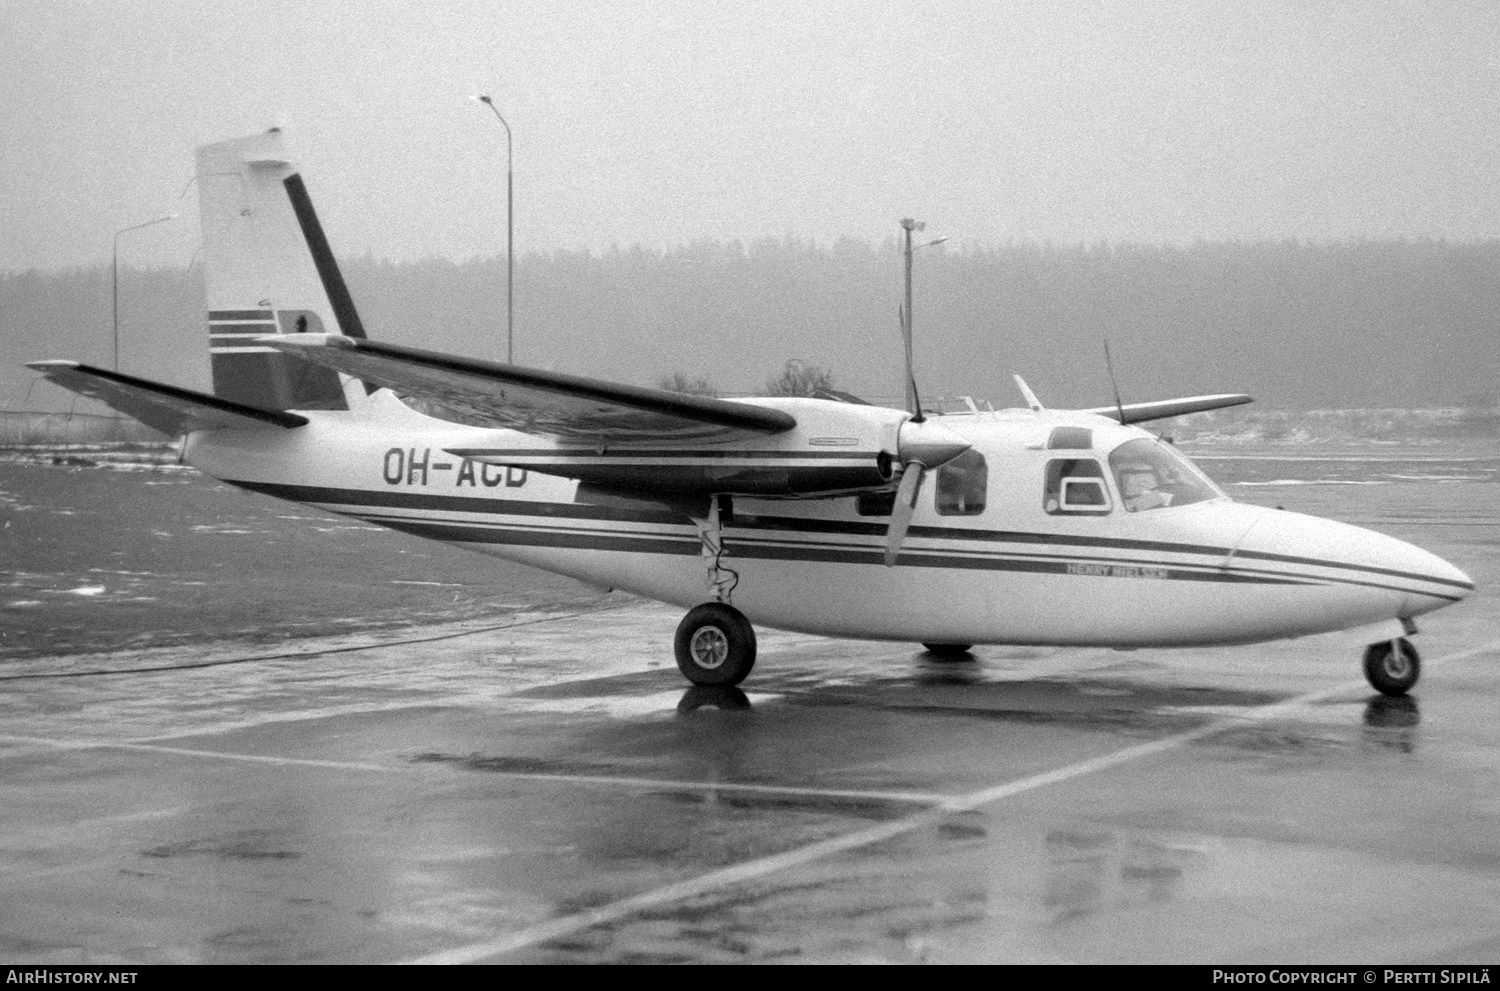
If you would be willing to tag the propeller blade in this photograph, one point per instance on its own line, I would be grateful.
(906, 504)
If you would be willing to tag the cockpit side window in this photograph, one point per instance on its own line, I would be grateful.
(1152, 475)
(1075, 486)
(962, 485)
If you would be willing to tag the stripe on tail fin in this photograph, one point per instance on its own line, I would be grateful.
(268, 269)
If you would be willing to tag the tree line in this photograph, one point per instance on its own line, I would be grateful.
(1299, 325)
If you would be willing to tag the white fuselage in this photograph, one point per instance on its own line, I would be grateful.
(1214, 571)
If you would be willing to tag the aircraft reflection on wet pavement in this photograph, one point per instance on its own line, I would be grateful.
(1038, 527)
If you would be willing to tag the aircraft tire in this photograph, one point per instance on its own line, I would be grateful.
(715, 645)
(949, 651)
(1392, 666)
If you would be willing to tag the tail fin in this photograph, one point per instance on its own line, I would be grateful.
(268, 269)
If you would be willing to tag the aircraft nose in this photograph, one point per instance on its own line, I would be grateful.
(1437, 582)
(1373, 574)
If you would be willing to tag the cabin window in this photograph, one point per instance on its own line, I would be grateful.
(962, 485)
(1152, 475)
(1075, 486)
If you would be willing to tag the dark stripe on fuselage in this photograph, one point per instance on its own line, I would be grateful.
(1071, 540)
(593, 453)
(592, 540)
(689, 546)
(771, 526)
(735, 545)
(738, 547)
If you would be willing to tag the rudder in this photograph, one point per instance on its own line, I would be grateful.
(268, 269)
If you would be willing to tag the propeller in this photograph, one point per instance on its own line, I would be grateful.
(921, 445)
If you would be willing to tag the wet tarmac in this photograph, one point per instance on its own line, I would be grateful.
(548, 791)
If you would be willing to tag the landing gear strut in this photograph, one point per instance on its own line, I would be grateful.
(1392, 666)
(715, 645)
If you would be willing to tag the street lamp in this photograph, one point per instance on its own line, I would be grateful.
(510, 237)
(912, 401)
(115, 268)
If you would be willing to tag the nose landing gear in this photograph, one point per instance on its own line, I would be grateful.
(1392, 666)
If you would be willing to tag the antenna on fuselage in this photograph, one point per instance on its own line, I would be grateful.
(1109, 366)
(1031, 400)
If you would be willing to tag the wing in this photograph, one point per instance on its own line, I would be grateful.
(487, 394)
(627, 438)
(1160, 410)
(166, 408)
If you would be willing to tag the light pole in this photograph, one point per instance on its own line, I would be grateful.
(910, 225)
(510, 238)
(115, 268)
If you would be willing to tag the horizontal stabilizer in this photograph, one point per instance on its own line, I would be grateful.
(483, 393)
(167, 408)
(1160, 410)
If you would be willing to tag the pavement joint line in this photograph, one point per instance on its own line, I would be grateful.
(908, 797)
(761, 867)
(853, 794)
(529, 620)
(189, 752)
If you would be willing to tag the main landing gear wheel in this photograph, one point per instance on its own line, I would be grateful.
(715, 645)
(949, 651)
(1392, 666)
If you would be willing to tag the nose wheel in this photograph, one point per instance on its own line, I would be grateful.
(1392, 666)
(715, 645)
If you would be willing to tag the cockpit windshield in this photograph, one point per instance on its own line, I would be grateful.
(1151, 475)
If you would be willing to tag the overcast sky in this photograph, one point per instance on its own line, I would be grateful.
(661, 123)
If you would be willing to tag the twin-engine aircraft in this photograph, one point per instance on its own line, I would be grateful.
(1020, 526)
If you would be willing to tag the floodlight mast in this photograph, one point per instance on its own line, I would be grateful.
(913, 401)
(114, 266)
(510, 236)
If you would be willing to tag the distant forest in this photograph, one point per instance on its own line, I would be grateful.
(1298, 325)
